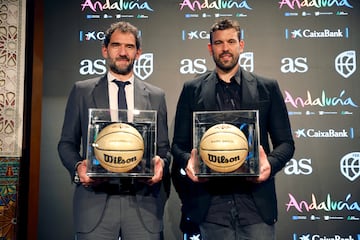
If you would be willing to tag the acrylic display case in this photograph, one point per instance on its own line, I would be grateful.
(227, 143)
(121, 143)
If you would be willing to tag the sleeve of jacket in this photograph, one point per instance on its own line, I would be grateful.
(280, 132)
(70, 140)
(181, 145)
(163, 145)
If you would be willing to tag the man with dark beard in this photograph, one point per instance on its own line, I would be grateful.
(126, 208)
(231, 208)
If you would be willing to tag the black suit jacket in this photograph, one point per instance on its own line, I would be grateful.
(93, 93)
(259, 94)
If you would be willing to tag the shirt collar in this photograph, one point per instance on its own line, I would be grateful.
(237, 77)
(112, 77)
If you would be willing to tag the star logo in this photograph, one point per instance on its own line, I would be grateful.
(192, 35)
(300, 133)
(305, 237)
(195, 237)
(296, 33)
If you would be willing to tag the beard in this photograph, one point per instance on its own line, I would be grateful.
(226, 66)
(121, 70)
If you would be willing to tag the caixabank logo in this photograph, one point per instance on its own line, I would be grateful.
(324, 133)
(308, 236)
(307, 33)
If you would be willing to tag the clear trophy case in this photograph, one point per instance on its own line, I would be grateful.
(121, 143)
(227, 143)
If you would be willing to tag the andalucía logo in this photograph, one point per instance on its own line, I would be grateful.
(120, 5)
(322, 100)
(328, 205)
(194, 5)
(299, 4)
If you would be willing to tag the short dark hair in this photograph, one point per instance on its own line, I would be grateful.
(225, 24)
(124, 27)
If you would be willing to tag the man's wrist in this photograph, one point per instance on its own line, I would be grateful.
(76, 165)
(162, 161)
(76, 174)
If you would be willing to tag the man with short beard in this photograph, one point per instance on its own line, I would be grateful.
(231, 208)
(129, 208)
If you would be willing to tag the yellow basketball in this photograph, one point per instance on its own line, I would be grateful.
(119, 147)
(223, 148)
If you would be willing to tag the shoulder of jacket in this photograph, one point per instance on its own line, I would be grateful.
(259, 78)
(199, 78)
(149, 86)
(89, 82)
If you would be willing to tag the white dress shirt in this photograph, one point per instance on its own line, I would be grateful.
(113, 95)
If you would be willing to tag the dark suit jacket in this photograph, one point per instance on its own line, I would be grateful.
(257, 93)
(93, 93)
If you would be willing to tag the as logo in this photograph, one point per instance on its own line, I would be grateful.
(196, 66)
(290, 65)
(89, 67)
(300, 167)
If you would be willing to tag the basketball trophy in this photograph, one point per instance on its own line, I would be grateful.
(227, 143)
(121, 146)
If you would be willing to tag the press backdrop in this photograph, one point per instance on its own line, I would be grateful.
(310, 46)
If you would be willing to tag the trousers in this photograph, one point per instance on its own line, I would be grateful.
(258, 231)
(120, 220)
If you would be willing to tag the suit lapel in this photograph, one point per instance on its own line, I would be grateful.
(208, 94)
(142, 100)
(249, 91)
(101, 93)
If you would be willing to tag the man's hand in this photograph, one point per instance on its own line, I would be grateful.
(264, 168)
(85, 180)
(192, 167)
(158, 170)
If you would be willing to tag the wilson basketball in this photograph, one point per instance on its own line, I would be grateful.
(119, 147)
(223, 148)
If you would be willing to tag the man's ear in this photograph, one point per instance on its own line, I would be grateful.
(104, 51)
(242, 45)
(210, 49)
(138, 53)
